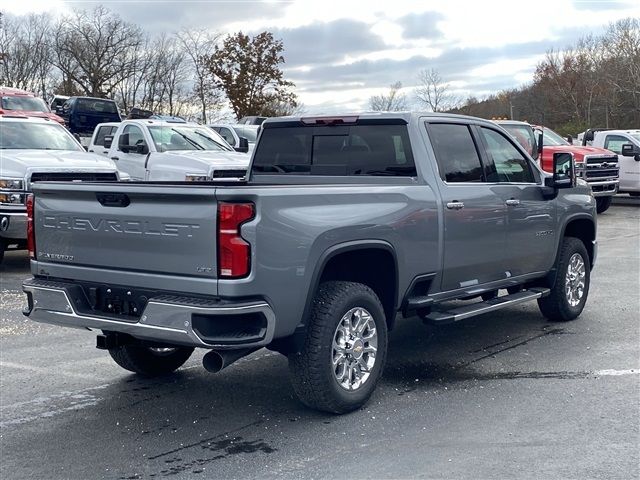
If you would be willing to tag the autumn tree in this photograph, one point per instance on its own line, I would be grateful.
(392, 101)
(249, 71)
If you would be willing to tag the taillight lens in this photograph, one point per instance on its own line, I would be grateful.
(234, 253)
(31, 237)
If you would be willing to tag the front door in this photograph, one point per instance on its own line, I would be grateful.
(474, 214)
(127, 159)
(629, 167)
(531, 219)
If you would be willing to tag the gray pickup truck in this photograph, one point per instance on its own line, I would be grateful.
(343, 225)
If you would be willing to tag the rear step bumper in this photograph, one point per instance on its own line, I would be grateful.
(166, 319)
(479, 308)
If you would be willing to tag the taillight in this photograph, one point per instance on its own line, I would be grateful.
(234, 253)
(31, 237)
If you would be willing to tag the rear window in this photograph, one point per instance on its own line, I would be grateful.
(103, 132)
(96, 106)
(335, 150)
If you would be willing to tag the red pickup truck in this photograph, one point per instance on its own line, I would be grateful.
(599, 167)
(26, 103)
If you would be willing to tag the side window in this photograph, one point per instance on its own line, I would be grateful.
(103, 132)
(614, 143)
(506, 163)
(456, 153)
(228, 136)
(129, 140)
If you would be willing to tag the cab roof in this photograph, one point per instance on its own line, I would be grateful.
(15, 92)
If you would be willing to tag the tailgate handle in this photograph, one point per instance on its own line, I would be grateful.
(113, 199)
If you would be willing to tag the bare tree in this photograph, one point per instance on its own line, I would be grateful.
(25, 52)
(433, 92)
(392, 101)
(200, 45)
(94, 49)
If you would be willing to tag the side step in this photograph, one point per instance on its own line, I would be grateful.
(467, 311)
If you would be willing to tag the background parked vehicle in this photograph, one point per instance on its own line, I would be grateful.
(82, 114)
(343, 223)
(252, 120)
(597, 166)
(625, 143)
(158, 150)
(25, 103)
(240, 136)
(57, 102)
(33, 150)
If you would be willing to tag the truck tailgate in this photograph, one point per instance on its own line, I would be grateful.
(168, 230)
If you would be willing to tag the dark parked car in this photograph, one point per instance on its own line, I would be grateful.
(82, 114)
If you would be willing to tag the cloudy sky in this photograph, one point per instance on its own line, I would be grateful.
(339, 53)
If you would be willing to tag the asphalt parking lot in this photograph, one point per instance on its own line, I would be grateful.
(504, 395)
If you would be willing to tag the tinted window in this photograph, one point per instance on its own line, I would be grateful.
(103, 132)
(96, 106)
(506, 163)
(456, 152)
(336, 150)
(614, 143)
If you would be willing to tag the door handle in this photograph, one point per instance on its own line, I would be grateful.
(455, 205)
(115, 158)
(512, 202)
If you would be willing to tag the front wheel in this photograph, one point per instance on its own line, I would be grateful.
(150, 361)
(603, 204)
(573, 275)
(344, 351)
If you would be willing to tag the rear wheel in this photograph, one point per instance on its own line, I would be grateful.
(345, 349)
(3, 247)
(150, 361)
(573, 275)
(603, 204)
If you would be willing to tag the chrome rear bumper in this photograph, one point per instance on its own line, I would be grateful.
(165, 319)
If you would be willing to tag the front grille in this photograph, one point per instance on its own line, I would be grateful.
(599, 159)
(229, 173)
(73, 176)
(602, 173)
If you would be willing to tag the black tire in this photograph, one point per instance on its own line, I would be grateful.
(3, 247)
(150, 362)
(556, 306)
(603, 204)
(313, 374)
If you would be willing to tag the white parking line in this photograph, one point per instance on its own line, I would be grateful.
(45, 370)
(616, 373)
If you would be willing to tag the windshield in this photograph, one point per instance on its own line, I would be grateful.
(551, 138)
(176, 137)
(37, 136)
(25, 104)
(247, 132)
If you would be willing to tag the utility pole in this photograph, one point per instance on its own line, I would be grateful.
(511, 110)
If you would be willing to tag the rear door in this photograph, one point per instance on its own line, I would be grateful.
(474, 214)
(531, 219)
(137, 230)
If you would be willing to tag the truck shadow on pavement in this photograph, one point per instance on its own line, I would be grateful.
(190, 420)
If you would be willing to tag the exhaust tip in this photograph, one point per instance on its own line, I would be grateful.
(213, 362)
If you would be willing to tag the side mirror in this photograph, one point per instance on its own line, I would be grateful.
(588, 136)
(540, 145)
(108, 140)
(142, 148)
(564, 172)
(243, 145)
(58, 109)
(629, 150)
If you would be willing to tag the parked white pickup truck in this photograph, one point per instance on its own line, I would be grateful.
(155, 150)
(33, 150)
(626, 143)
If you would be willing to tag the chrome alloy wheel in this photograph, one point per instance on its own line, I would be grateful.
(355, 343)
(574, 282)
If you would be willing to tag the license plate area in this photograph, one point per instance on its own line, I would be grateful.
(126, 304)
